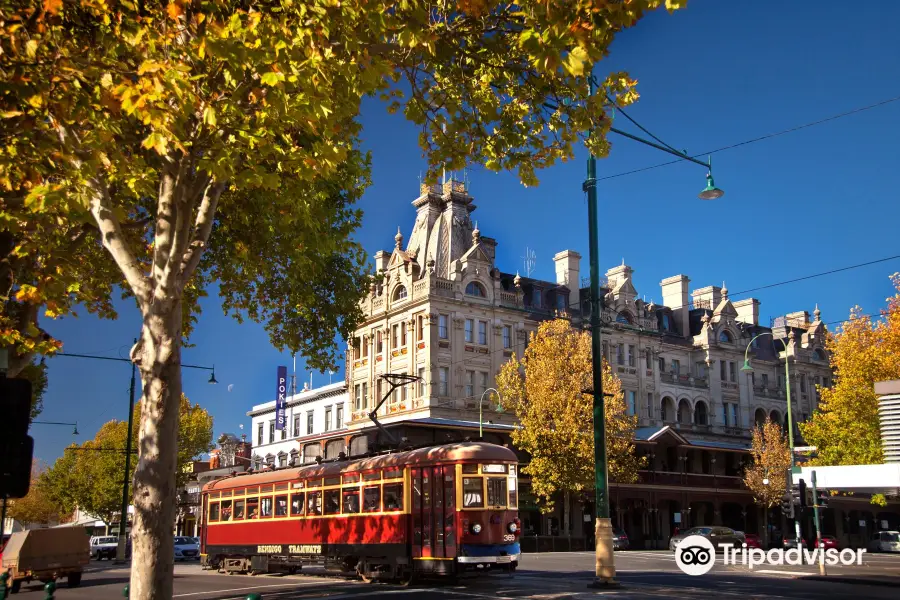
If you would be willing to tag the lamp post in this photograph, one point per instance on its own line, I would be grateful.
(481, 411)
(605, 568)
(123, 515)
(747, 368)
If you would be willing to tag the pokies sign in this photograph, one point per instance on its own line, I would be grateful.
(281, 400)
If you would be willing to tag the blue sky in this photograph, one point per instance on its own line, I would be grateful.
(711, 75)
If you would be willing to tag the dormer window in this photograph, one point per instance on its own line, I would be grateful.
(725, 337)
(400, 292)
(624, 317)
(475, 289)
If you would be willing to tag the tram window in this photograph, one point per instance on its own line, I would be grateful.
(426, 489)
(372, 499)
(252, 508)
(266, 488)
(470, 469)
(214, 494)
(296, 504)
(238, 492)
(332, 481)
(393, 473)
(372, 476)
(265, 507)
(314, 503)
(393, 496)
(473, 492)
(314, 483)
(226, 510)
(238, 509)
(226, 494)
(281, 506)
(351, 502)
(351, 478)
(252, 490)
(449, 488)
(333, 502)
(214, 511)
(280, 487)
(496, 491)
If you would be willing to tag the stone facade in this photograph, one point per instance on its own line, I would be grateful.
(442, 310)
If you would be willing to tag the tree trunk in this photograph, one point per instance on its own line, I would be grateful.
(159, 357)
(567, 515)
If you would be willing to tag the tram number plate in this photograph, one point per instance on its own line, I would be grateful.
(509, 538)
(504, 559)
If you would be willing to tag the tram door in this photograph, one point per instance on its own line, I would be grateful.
(433, 506)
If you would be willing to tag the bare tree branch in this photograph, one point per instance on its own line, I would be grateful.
(202, 228)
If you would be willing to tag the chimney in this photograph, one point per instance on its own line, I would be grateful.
(748, 311)
(382, 259)
(568, 274)
(675, 296)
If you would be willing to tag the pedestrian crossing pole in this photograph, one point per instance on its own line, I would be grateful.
(818, 528)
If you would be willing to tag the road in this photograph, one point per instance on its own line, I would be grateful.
(556, 576)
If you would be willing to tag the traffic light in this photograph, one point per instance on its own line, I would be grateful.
(16, 446)
(798, 494)
(787, 505)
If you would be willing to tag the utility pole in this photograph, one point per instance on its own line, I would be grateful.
(121, 550)
(815, 492)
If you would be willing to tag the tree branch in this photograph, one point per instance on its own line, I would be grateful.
(111, 237)
(202, 228)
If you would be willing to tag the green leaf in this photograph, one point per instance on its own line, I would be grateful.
(272, 78)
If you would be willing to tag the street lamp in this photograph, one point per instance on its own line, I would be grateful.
(499, 409)
(747, 368)
(74, 425)
(123, 516)
(605, 568)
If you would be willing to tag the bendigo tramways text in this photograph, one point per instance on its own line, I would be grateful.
(441, 510)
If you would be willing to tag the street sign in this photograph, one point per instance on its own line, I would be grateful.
(802, 449)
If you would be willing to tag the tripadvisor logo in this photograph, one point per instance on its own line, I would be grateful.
(696, 555)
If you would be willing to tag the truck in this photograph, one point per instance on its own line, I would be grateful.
(46, 555)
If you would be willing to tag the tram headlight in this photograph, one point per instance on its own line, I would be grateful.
(512, 527)
(476, 528)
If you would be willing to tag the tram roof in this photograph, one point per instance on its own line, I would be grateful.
(458, 452)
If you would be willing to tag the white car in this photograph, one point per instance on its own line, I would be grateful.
(104, 547)
(186, 548)
(885, 541)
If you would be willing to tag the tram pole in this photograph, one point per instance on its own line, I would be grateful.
(605, 567)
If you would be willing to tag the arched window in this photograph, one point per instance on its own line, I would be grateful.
(775, 417)
(359, 445)
(760, 417)
(310, 452)
(725, 336)
(701, 416)
(400, 292)
(475, 289)
(333, 448)
(819, 354)
(624, 317)
(684, 411)
(667, 409)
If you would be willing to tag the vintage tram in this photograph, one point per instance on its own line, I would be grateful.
(438, 510)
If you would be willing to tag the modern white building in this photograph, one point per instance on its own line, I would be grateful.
(312, 414)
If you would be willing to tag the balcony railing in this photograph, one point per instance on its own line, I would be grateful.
(186, 499)
(701, 480)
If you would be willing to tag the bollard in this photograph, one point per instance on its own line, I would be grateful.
(4, 590)
(50, 588)
(125, 591)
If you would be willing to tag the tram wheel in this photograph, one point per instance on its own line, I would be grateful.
(406, 578)
(360, 570)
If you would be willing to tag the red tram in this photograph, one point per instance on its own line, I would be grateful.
(437, 510)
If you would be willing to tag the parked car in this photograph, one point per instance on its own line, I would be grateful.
(885, 541)
(718, 536)
(791, 542)
(620, 539)
(186, 548)
(829, 541)
(104, 547)
(753, 541)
